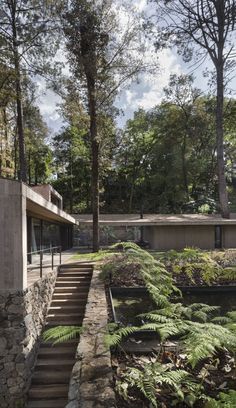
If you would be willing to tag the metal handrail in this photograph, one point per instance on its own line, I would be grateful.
(41, 251)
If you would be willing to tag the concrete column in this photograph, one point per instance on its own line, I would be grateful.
(13, 235)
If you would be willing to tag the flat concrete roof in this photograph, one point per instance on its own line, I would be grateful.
(37, 206)
(156, 219)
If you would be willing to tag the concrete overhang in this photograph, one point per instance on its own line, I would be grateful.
(37, 206)
(134, 220)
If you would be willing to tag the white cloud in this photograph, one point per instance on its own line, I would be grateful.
(155, 84)
(140, 5)
(149, 91)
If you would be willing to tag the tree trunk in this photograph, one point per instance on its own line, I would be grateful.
(131, 197)
(95, 162)
(20, 128)
(184, 167)
(29, 167)
(222, 188)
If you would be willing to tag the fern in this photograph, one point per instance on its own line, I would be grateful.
(226, 400)
(204, 340)
(155, 376)
(62, 334)
(115, 338)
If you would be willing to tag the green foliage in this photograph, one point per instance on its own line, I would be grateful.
(191, 261)
(62, 334)
(229, 274)
(204, 340)
(157, 280)
(226, 400)
(155, 377)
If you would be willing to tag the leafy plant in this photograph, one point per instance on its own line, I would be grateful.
(153, 378)
(226, 400)
(191, 260)
(60, 334)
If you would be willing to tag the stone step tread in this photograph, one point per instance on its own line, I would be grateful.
(67, 287)
(76, 270)
(51, 351)
(73, 281)
(68, 304)
(54, 323)
(47, 377)
(64, 301)
(73, 278)
(48, 391)
(57, 314)
(70, 293)
(68, 290)
(77, 266)
(76, 286)
(64, 320)
(76, 274)
(55, 403)
(69, 343)
(59, 308)
(82, 275)
(59, 364)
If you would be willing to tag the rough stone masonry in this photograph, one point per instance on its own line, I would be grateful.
(22, 316)
(91, 384)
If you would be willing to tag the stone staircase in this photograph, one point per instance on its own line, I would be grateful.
(50, 381)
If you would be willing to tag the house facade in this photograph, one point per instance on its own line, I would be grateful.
(163, 232)
(31, 219)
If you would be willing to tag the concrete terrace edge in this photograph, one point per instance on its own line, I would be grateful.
(91, 384)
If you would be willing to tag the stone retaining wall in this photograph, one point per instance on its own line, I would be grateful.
(22, 316)
(91, 381)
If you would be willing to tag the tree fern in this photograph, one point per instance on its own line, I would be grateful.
(62, 334)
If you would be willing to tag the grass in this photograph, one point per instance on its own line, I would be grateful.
(94, 256)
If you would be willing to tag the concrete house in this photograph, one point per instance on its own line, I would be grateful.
(164, 232)
(30, 219)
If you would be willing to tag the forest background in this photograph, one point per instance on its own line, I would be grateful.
(165, 158)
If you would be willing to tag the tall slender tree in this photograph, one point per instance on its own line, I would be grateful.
(26, 29)
(209, 27)
(100, 55)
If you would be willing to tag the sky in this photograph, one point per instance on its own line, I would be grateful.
(147, 93)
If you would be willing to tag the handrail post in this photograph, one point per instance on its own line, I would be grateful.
(52, 258)
(41, 263)
(60, 255)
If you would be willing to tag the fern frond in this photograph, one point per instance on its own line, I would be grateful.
(60, 334)
(204, 340)
(226, 400)
(114, 339)
(144, 381)
(232, 315)
(221, 320)
(155, 317)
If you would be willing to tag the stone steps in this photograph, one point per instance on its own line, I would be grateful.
(60, 377)
(47, 403)
(56, 351)
(50, 381)
(70, 295)
(50, 391)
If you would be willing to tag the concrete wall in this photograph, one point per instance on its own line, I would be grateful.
(229, 236)
(22, 316)
(13, 245)
(179, 237)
